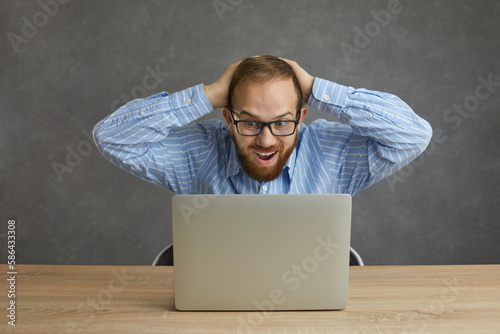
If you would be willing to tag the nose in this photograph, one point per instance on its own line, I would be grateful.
(266, 138)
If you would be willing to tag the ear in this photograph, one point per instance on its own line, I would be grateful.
(227, 116)
(303, 113)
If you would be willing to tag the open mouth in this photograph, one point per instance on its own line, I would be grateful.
(265, 156)
(265, 159)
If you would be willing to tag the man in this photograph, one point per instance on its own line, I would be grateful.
(265, 148)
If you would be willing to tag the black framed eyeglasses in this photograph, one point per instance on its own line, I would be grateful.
(281, 128)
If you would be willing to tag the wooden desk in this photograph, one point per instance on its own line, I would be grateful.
(386, 299)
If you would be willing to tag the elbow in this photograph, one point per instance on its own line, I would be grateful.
(95, 132)
(97, 137)
(421, 142)
(426, 134)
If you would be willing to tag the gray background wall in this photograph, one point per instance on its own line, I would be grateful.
(65, 67)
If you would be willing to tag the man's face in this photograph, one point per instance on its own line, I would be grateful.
(264, 156)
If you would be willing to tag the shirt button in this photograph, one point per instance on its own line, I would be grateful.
(188, 100)
(326, 97)
(141, 113)
(264, 188)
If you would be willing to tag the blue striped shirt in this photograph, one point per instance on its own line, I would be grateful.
(156, 139)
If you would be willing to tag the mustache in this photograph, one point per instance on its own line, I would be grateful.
(262, 149)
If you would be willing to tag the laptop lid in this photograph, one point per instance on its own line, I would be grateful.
(261, 252)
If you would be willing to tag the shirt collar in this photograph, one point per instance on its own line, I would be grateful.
(233, 165)
(290, 164)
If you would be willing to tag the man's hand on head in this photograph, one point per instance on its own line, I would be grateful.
(217, 91)
(306, 80)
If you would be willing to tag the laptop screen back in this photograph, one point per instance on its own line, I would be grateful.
(261, 252)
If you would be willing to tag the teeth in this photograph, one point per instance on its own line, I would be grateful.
(266, 154)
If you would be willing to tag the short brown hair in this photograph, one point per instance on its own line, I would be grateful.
(261, 69)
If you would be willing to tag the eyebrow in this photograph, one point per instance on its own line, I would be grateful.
(253, 116)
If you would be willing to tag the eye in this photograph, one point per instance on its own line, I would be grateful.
(281, 124)
(251, 124)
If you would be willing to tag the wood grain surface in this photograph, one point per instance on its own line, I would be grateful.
(140, 299)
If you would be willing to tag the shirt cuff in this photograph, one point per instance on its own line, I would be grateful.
(191, 103)
(328, 96)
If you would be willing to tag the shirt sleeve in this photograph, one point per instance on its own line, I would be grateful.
(135, 137)
(378, 135)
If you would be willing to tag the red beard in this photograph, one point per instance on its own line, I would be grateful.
(263, 173)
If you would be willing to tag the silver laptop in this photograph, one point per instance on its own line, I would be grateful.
(261, 252)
